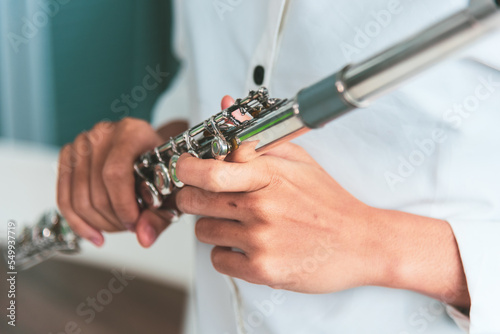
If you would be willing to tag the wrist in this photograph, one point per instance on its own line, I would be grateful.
(420, 254)
(382, 257)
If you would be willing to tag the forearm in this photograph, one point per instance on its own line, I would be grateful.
(422, 255)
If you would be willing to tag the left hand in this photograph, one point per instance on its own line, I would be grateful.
(297, 228)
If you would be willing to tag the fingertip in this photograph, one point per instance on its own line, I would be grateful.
(97, 240)
(179, 168)
(147, 236)
(146, 233)
(226, 102)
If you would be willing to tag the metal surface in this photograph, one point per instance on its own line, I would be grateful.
(362, 83)
(51, 235)
(357, 85)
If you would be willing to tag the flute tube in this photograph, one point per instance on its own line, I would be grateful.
(357, 85)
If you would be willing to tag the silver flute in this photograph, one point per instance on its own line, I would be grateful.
(271, 121)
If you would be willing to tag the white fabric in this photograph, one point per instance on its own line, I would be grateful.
(430, 148)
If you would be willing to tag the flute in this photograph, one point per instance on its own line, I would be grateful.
(271, 121)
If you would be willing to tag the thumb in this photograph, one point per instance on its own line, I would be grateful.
(292, 152)
(226, 102)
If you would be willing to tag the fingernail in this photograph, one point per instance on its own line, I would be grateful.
(96, 241)
(130, 227)
(151, 234)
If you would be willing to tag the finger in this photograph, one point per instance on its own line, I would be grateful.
(100, 139)
(246, 152)
(79, 226)
(291, 152)
(80, 187)
(223, 176)
(196, 201)
(226, 102)
(149, 226)
(118, 170)
(221, 232)
(231, 263)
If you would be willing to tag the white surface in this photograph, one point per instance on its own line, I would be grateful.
(28, 175)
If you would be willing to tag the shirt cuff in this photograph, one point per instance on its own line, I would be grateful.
(462, 321)
(479, 245)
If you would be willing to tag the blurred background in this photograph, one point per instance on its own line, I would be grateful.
(64, 66)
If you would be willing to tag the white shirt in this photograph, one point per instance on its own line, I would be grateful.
(430, 148)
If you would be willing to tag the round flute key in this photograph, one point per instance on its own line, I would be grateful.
(220, 148)
(172, 165)
(151, 198)
(162, 179)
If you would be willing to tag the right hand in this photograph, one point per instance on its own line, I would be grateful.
(96, 187)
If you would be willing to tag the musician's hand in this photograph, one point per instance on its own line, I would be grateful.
(299, 230)
(95, 189)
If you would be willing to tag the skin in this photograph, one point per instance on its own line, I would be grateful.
(295, 227)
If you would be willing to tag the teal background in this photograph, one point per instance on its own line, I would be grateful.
(100, 50)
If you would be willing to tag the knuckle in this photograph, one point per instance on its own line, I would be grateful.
(81, 137)
(81, 205)
(65, 150)
(189, 200)
(216, 178)
(101, 203)
(217, 260)
(201, 230)
(126, 121)
(114, 172)
(82, 145)
(263, 270)
(103, 127)
(258, 205)
(259, 237)
(127, 212)
(132, 124)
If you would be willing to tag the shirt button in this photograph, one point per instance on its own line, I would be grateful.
(258, 75)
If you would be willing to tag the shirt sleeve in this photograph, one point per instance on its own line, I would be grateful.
(462, 320)
(174, 104)
(478, 242)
